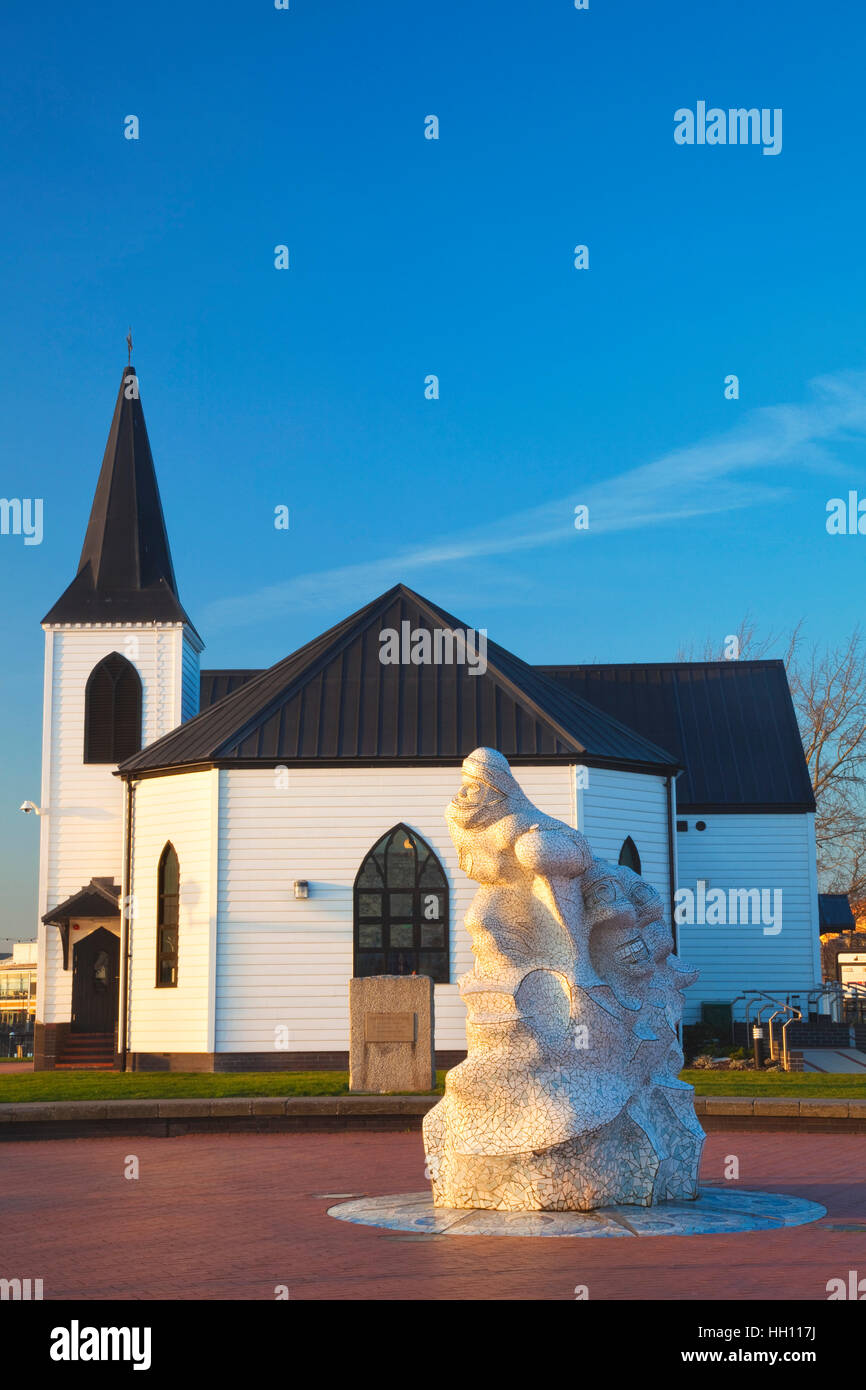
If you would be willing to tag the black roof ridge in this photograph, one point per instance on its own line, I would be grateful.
(654, 665)
(568, 737)
(278, 683)
(232, 670)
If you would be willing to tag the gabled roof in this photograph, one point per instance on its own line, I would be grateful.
(334, 700)
(99, 898)
(731, 724)
(125, 574)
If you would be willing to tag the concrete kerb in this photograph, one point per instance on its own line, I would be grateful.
(85, 1118)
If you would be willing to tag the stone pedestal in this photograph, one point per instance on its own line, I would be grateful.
(391, 1033)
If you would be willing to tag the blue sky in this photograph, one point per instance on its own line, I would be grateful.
(409, 257)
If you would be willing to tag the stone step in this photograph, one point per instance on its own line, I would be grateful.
(94, 1064)
(86, 1052)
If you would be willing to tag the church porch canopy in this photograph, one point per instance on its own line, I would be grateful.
(98, 901)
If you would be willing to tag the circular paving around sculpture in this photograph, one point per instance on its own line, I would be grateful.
(716, 1211)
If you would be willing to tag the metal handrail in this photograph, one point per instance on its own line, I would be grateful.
(764, 1000)
(759, 1000)
(762, 1005)
(734, 1003)
(779, 1007)
(798, 1013)
(758, 994)
(770, 1029)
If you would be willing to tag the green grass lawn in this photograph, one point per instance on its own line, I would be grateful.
(829, 1085)
(143, 1085)
(83, 1085)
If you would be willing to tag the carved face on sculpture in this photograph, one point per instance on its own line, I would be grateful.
(486, 788)
(617, 947)
(476, 804)
(649, 908)
(480, 855)
(487, 794)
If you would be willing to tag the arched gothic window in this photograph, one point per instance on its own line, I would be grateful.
(628, 855)
(401, 909)
(167, 900)
(112, 711)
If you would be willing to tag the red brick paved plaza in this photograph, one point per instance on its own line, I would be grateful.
(232, 1216)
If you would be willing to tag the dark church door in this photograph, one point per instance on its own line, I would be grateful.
(94, 982)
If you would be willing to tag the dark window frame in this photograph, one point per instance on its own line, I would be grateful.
(163, 900)
(629, 857)
(427, 865)
(111, 732)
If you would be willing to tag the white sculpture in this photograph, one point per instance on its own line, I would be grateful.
(569, 1097)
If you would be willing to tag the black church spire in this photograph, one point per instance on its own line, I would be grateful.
(125, 574)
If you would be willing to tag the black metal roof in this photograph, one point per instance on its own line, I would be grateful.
(333, 700)
(213, 685)
(125, 574)
(731, 724)
(834, 912)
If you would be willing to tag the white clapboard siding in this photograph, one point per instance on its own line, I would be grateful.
(615, 805)
(180, 809)
(81, 828)
(751, 851)
(283, 965)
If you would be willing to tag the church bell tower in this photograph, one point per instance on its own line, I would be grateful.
(121, 670)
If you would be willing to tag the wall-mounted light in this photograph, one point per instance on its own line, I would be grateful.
(302, 888)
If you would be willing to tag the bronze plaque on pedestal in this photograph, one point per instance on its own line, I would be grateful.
(389, 1028)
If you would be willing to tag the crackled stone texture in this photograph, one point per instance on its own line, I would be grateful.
(568, 1098)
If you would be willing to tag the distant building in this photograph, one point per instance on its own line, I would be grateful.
(834, 914)
(843, 951)
(18, 999)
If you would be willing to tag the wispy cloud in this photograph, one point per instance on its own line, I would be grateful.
(713, 476)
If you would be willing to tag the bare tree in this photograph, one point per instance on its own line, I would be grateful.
(828, 687)
(747, 643)
(829, 691)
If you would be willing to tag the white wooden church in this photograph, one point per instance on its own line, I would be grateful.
(222, 850)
